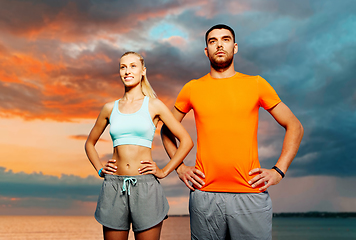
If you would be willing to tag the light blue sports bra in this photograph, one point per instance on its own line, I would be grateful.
(133, 128)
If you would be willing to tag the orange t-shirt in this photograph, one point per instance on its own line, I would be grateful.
(226, 116)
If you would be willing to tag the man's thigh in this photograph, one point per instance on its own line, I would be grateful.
(249, 216)
(224, 215)
(207, 216)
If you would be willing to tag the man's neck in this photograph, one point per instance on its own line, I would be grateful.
(222, 73)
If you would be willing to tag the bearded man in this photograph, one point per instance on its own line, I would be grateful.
(229, 198)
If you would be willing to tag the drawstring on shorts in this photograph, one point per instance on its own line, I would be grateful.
(126, 184)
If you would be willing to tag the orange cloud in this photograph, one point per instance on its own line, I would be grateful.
(84, 137)
(19, 67)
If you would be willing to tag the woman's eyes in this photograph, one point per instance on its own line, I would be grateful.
(123, 67)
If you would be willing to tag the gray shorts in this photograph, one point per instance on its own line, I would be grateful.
(139, 200)
(216, 216)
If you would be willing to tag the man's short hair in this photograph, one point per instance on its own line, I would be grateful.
(219, 26)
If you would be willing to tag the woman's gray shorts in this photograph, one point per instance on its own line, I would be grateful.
(139, 200)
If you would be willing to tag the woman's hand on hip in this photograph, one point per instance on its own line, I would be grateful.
(150, 167)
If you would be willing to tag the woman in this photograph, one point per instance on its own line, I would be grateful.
(133, 194)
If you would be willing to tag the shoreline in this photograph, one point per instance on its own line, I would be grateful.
(312, 214)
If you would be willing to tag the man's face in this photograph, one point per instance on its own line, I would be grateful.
(220, 48)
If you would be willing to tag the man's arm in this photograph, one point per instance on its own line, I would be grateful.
(293, 136)
(186, 173)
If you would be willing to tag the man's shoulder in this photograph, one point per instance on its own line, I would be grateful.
(194, 82)
(205, 77)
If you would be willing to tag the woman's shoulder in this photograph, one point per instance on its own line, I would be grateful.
(108, 107)
(155, 101)
(156, 104)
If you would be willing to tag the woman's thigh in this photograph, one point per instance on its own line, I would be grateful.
(112, 234)
(153, 233)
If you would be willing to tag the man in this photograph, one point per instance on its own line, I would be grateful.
(228, 198)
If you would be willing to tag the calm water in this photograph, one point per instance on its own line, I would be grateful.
(174, 228)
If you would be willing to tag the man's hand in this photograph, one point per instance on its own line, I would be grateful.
(110, 167)
(190, 174)
(268, 176)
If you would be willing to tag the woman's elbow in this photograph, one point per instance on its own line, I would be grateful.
(88, 145)
(190, 143)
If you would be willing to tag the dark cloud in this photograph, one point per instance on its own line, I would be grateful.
(72, 20)
(305, 49)
(37, 185)
(52, 189)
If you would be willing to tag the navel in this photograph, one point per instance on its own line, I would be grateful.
(127, 165)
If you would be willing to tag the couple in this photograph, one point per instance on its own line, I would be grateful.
(228, 198)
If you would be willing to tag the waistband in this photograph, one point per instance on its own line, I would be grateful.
(227, 193)
(121, 178)
(128, 181)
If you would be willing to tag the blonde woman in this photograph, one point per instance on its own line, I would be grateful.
(131, 193)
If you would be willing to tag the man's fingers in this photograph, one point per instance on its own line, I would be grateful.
(200, 173)
(255, 170)
(253, 180)
(188, 185)
(261, 181)
(195, 183)
(265, 187)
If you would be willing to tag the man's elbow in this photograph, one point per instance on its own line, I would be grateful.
(297, 128)
(301, 130)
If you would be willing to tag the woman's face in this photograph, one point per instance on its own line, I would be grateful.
(131, 70)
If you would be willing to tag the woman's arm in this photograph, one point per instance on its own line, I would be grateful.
(101, 122)
(186, 143)
(185, 173)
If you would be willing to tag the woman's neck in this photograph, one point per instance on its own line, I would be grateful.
(133, 94)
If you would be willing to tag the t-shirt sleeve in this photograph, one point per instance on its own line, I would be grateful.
(183, 103)
(268, 97)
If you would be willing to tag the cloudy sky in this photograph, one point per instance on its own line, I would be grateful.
(59, 66)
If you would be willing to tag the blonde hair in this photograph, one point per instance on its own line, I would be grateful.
(146, 88)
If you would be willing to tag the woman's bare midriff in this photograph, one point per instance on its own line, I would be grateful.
(128, 158)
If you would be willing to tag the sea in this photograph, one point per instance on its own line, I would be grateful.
(174, 228)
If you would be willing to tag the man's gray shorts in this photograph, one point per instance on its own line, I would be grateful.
(139, 200)
(216, 216)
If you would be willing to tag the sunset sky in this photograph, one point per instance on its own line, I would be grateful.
(59, 66)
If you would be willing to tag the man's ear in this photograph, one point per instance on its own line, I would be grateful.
(206, 51)
(236, 48)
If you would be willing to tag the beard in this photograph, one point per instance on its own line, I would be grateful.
(221, 63)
